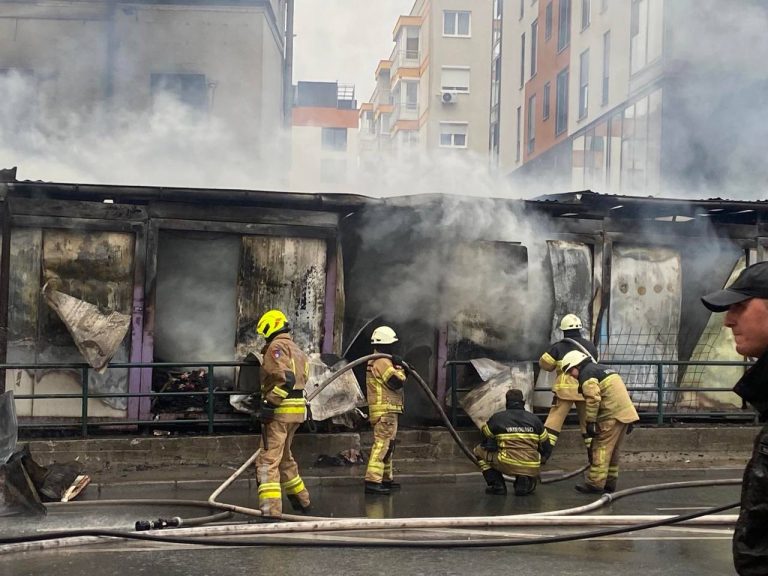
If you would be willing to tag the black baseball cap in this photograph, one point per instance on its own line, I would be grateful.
(751, 283)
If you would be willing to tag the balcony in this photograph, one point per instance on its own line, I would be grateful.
(405, 59)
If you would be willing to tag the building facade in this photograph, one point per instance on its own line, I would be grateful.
(324, 136)
(222, 59)
(625, 96)
(432, 93)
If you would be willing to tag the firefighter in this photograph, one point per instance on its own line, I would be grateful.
(283, 376)
(565, 388)
(610, 415)
(516, 444)
(745, 303)
(384, 380)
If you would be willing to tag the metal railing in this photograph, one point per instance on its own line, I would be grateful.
(210, 394)
(659, 389)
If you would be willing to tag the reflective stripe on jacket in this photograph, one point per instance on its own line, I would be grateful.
(521, 439)
(565, 387)
(283, 359)
(605, 394)
(382, 397)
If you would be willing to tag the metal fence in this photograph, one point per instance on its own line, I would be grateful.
(658, 386)
(87, 421)
(663, 408)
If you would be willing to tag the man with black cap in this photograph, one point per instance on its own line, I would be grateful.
(516, 443)
(746, 305)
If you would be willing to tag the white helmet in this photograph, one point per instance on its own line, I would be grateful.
(383, 335)
(572, 360)
(570, 322)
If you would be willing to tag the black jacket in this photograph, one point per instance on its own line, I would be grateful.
(750, 539)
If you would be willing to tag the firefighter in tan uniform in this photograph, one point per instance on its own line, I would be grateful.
(566, 388)
(384, 380)
(610, 415)
(283, 377)
(516, 444)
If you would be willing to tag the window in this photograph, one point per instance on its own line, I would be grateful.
(583, 84)
(606, 65)
(453, 134)
(411, 95)
(456, 23)
(548, 22)
(545, 103)
(531, 123)
(519, 127)
(522, 9)
(563, 24)
(534, 46)
(334, 138)
(455, 78)
(522, 60)
(189, 89)
(561, 103)
(412, 43)
(586, 13)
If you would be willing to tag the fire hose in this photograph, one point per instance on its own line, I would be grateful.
(435, 403)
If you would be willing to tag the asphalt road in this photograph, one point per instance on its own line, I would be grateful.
(679, 550)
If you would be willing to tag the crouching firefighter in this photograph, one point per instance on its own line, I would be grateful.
(516, 444)
(283, 377)
(610, 415)
(565, 389)
(384, 380)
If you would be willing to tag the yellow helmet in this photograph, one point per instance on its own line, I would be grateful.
(271, 322)
(570, 322)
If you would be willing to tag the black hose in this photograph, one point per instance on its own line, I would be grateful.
(413, 543)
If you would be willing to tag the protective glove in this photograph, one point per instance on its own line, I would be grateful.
(397, 360)
(267, 412)
(592, 429)
(630, 427)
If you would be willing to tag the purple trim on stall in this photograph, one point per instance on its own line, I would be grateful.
(331, 279)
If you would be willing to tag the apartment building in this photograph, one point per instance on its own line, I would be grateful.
(432, 93)
(621, 96)
(221, 58)
(324, 136)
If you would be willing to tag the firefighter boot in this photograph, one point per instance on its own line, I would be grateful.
(376, 488)
(588, 489)
(391, 486)
(297, 505)
(495, 481)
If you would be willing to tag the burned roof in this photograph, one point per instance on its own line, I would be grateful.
(589, 205)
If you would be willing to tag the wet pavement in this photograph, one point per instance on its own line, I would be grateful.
(679, 550)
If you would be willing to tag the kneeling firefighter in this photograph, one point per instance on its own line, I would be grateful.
(384, 380)
(283, 376)
(566, 388)
(516, 444)
(610, 414)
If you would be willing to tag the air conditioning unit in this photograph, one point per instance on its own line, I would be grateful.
(448, 97)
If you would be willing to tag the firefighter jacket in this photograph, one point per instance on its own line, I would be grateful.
(565, 386)
(521, 439)
(284, 375)
(750, 538)
(384, 388)
(605, 395)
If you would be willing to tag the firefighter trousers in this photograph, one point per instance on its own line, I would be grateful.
(380, 462)
(557, 415)
(276, 470)
(606, 452)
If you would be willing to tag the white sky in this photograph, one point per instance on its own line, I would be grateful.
(343, 40)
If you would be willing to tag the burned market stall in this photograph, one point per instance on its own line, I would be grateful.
(100, 274)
